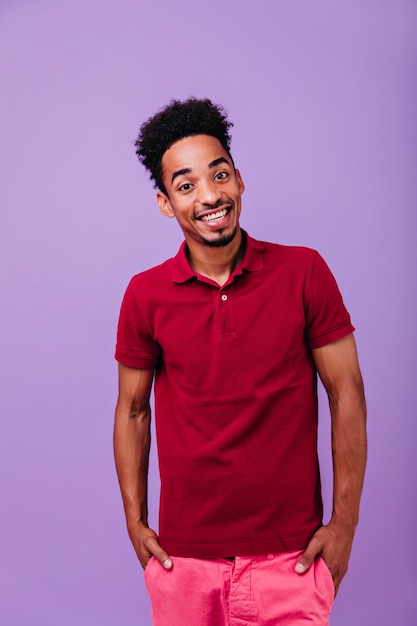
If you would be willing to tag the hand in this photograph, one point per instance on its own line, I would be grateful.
(146, 544)
(333, 543)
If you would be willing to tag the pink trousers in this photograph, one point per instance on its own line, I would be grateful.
(252, 591)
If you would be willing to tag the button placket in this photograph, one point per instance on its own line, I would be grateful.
(226, 314)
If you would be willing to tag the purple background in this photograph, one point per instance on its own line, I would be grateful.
(323, 96)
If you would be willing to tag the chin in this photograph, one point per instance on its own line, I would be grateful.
(221, 241)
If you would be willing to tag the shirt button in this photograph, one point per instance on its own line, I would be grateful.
(224, 297)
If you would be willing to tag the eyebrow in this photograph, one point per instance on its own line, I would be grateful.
(187, 170)
(217, 162)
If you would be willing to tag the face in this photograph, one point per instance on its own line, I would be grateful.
(203, 191)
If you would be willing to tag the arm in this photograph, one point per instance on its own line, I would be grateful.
(338, 368)
(131, 452)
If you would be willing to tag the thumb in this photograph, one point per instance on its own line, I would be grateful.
(165, 561)
(159, 553)
(307, 558)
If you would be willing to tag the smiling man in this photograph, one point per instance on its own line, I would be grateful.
(233, 332)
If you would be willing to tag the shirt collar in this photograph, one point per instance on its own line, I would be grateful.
(252, 260)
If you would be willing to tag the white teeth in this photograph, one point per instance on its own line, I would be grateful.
(214, 216)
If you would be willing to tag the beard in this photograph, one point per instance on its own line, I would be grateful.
(221, 241)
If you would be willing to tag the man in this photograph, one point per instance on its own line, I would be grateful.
(234, 332)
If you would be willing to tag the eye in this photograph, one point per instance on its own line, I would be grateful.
(221, 175)
(185, 187)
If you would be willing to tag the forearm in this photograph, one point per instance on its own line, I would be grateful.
(132, 439)
(338, 367)
(334, 540)
(349, 450)
(131, 452)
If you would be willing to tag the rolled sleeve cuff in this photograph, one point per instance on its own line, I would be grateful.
(341, 331)
(138, 362)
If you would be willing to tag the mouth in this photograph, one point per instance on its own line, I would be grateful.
(214, 216)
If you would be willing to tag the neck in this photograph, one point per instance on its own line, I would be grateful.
(216, 263)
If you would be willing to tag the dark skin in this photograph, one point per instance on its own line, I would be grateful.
(338, 368)
(199, 186)
(131, 450)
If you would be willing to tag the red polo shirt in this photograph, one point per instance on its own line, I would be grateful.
(235, 396)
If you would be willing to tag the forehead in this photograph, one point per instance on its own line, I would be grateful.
(194, 152)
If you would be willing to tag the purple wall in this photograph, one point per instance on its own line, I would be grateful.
(323, 96)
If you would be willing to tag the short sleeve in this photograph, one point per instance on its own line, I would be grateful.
(135, 346)
(327, 318)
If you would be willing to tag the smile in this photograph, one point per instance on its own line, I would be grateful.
(212, 217)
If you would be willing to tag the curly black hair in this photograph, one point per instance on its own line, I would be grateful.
(176, 121)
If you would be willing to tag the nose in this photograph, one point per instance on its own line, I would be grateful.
(208, 194)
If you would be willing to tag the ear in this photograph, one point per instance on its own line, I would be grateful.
(164, 204)
(240, 181)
